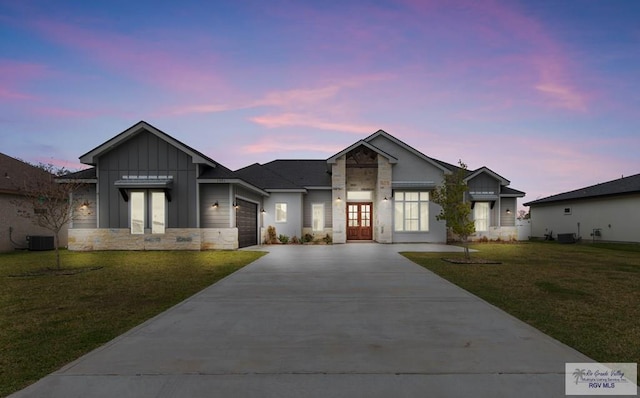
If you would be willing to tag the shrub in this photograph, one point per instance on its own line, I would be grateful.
(295, 240)
(284, 239)
(327, 239)
(308, 238)
(271, 235)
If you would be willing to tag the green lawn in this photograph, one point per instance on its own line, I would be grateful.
(49, 319)
(587, 296)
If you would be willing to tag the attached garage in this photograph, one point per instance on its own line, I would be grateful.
(247, 223)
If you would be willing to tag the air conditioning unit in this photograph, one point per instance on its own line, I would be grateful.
(40, 242)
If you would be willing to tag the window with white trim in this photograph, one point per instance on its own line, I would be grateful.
(147, 205)
(137, 213)
(317, 216)
(158, 212)
(481, 216)
(281, 212)
(411, 211)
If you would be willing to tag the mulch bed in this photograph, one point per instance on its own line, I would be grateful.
(55, 271)
(470, 261)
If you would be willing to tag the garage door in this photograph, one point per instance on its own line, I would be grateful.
(247, 223)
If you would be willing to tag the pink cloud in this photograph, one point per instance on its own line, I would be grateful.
(14, 75)
(151, 61)
(294, 144)
(304, 120)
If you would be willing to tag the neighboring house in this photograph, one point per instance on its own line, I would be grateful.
(602, 212)
(14, 228)
(151, 191)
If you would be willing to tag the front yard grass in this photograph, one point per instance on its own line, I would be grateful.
(51, 318)
(586, 296)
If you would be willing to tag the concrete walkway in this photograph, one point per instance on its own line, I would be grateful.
(355, 320)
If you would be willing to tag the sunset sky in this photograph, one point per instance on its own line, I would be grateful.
(545, 93)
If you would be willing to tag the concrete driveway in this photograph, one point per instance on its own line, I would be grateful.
(354, 320)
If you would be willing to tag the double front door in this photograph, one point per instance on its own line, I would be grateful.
(359, 216)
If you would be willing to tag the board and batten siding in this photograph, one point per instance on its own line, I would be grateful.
(484, 183)
(147, 155)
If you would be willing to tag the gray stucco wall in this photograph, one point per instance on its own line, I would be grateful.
(142, 155)
(317, 196)
(293, 226)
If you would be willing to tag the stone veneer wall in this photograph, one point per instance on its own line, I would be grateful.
(384, 209)
(338, 183)
(173, 239)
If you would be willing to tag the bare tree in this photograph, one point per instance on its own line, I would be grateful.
(47, 202)
(455, 210)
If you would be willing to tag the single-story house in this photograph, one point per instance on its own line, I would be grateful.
(603, 212)
(15, 176)
(151, 191)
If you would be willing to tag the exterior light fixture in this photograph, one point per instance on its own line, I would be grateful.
(236, 205)
(84, 205)
(262, 211)
(338, 199)
(508, 211)
(215, 205)
(385, 199)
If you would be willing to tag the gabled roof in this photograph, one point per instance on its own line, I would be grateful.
(621, 186)
(408, 148)
(483, 169)
(90, 157)
(15, 174)
(364, 143)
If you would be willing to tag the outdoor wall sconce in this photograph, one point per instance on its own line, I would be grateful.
(84, 205)
(215, 205)
(262, 211)
(338, 200)
(385, 199)
(236, 205)
(508, 211)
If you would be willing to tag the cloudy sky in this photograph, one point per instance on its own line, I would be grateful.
(545, 92)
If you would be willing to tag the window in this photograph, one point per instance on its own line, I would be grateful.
(317, 216)
(157, 212)
(281, 212)
(481, 216)
(139, 208)
(137, 213)
(359, 195)
(411, 211)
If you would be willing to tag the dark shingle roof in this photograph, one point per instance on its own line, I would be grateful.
(620, 186)
(14, 174)
(86, 174)
(287, 174)
(218, 172)
(304, 173)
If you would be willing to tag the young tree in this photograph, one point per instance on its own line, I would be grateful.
(48, 203)
(455, 210)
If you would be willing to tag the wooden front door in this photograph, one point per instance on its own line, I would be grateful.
(359, 216)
